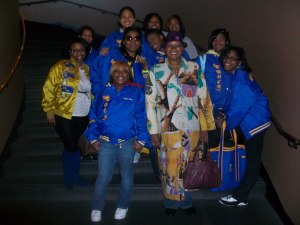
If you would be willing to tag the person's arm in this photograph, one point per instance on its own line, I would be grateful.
(205, 109)
(190, 48)
(50, 89)
(96, 75)
(151, 107)
(141, 121)
(92, 133)
(241, 100)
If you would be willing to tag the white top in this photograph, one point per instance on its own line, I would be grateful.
(83, 98)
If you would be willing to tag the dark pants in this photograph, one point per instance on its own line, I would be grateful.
(254, 148)
(69, 131)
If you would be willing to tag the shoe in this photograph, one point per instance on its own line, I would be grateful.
(96, 216)
(120, 213)
(231, 201)
(190, 211)
(136, 158)
(170, 212)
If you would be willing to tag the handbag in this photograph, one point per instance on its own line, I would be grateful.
(85, 147)
(230, 160)
(201, 173)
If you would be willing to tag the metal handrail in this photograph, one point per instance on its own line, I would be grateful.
(103, 11)
(13, 70)
(292, 141)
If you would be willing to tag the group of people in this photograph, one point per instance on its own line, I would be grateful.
(141, 89)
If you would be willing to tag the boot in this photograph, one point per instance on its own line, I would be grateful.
(68, 170)
(76, 169)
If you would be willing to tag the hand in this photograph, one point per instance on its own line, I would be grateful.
(96, 146)
(104, 51)
(155, 140)
(203, 136)
(142, 61)
(51, 120)
(137, 146)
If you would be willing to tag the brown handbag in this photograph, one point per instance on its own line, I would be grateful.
(201, 173)
(85, 147)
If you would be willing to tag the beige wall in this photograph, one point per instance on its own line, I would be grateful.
(10, 98)
(270, 32)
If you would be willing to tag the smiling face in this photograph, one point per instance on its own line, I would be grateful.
(155, 41)
(77, 52)
(174, 50)
(231, 61)
(219, 43)
(154, 23)
(126, 19)
(132, 42)
(120, 74)
(174, 25)
(87, 35)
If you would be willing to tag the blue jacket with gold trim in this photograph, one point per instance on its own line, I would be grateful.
(248, 105)
(118, 116)
(101, 68)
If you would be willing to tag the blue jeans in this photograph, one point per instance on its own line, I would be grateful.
(108, 156)
(186, 203)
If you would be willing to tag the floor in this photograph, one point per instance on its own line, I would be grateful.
(209, 212)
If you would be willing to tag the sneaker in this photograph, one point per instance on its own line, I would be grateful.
(136, 158)
(120, 213)
(96, 216)
(231, 201)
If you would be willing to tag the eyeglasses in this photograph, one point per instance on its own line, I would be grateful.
(77, 50)
(231, 58)
(129, 38)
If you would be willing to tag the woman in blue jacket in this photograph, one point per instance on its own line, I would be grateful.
(117, 129)
(249, 114)
(129, 52)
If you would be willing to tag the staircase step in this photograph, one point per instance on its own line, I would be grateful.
(47, 165)
(37, 130)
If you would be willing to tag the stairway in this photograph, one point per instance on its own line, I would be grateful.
(32, 192)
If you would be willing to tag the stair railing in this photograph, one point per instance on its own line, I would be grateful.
(103, 11)
(13, 70)
(292, 141)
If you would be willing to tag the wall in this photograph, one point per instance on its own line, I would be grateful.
(269, 31)
(10, 98)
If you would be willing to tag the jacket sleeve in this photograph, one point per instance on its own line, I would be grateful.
(95, 73)
(151, 104)
(110, 41)
(92, 133)
(205, 107)
(241, 100)
(51, 87)
(141, 119)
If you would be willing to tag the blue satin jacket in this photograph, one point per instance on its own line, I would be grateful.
(248, 105)
(118, 116)
(99, 71)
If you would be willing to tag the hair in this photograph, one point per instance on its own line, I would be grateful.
(214, 35)
(154, 31)
(86, 27)
(241, 56)
(122, 10)
(117, 65)
(67, 49)
(123, 48)
(148, 18)
(181, 26)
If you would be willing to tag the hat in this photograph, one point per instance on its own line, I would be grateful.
(174, 36)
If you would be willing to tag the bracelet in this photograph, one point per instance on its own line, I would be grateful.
(145, 71)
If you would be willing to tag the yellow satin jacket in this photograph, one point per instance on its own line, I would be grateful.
(61, 88)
